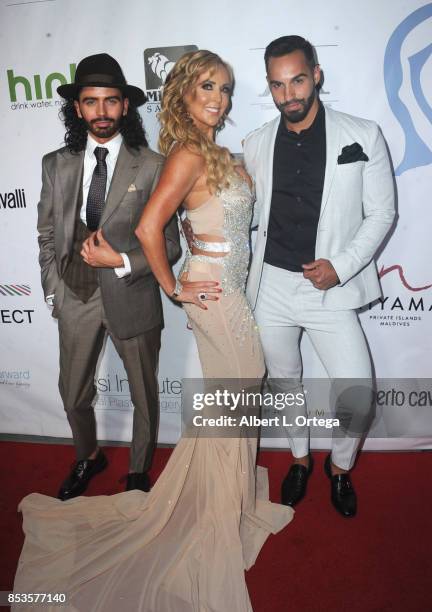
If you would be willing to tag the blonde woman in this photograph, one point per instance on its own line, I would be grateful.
(184, 546)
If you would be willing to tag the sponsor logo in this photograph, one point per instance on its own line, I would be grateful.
(170, 391)
(158, 61)
(27, 93)
(403, 280)
(9, 317)
(15, 378)
(401, 310)
(13, 199)
(114, 394)
(405, 74)
(263, 98)
(15, 290)
(399, 397)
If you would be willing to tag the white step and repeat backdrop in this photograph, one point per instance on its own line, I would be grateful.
(377, 62)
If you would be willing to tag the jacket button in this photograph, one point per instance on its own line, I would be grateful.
(265, 234)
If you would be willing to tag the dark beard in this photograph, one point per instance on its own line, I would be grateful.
(300, 114)
(107, 132)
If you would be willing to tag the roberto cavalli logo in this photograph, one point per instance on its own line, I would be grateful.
(13, 199)
(407, 74)
(158, 61)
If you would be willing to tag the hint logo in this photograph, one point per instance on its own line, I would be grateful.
(13, 199)
(158, 61)
(15, 290)
(36, 90)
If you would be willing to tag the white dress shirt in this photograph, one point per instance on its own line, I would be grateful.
(90, 162)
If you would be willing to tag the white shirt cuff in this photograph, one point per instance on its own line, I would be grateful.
(121, 272)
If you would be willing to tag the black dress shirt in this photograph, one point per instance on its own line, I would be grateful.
(298, 179)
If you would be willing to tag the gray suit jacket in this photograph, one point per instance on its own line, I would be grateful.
(132, 304)
(357, 207)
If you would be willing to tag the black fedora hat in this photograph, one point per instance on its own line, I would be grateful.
(101, 70)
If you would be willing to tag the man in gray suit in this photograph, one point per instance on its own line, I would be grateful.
(324, 204)
(94, 272)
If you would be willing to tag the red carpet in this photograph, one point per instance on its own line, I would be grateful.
(378, 562)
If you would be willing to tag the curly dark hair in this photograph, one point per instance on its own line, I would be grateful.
(131, 128)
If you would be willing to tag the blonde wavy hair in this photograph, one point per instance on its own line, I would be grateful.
(177, 125)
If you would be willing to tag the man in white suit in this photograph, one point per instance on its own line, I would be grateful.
(325, 201)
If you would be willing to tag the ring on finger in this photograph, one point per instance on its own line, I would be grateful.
(202, 296)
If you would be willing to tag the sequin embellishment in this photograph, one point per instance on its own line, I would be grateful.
(237, 201)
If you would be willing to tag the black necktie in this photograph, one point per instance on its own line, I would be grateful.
(96, 194)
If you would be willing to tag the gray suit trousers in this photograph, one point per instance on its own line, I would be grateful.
(82, 331)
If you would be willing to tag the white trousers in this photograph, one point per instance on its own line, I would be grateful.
(287, 304)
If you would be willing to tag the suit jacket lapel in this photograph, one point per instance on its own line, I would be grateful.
(70, 168)
(268, 168)
(125, 171)
(332, 151)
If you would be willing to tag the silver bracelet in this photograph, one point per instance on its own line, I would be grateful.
(177, 289)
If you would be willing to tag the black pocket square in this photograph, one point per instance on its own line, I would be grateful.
(352, 153)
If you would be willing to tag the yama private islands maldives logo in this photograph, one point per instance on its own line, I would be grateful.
(405, 308)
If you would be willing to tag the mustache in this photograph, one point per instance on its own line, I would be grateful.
(106, 119)
(289, 102)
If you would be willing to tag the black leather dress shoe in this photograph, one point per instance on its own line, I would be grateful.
(343, 496)
(295, 482)
(138, 480)
(77, 481)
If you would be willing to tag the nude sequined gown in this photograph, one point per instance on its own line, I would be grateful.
(184, 546)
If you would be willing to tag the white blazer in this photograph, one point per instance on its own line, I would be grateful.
(357, 207)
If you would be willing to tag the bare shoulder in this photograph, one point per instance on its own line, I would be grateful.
(183, 166)
(184, 157)
(181, 171)
(240, 169)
